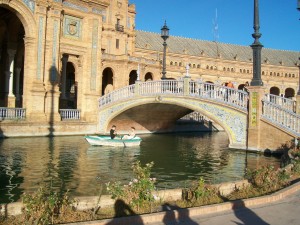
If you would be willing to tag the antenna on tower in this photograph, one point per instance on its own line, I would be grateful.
(216, 27)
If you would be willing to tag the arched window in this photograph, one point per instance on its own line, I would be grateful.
(289, 93)
(274, 91)
(148, 77)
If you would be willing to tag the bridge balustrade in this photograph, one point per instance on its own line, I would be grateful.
(282, 117)
(120, 94)
(285, 103)
(163, 87)
(219, 93)
(214, 92)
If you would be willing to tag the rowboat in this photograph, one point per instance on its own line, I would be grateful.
(116, 142)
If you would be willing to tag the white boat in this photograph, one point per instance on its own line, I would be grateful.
(117, 142)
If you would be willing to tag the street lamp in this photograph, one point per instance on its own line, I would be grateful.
(164, 36)
(256, 47)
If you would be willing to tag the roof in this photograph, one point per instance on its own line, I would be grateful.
(211, 49)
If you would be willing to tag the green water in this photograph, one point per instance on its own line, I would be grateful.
(70, 163)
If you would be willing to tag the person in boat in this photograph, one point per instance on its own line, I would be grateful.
(113, 132)
(130, 135)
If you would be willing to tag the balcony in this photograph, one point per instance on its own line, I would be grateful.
(119, 28)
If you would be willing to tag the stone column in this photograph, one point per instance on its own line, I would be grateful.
(64, 76)
(256, 94)
(33, 88)
(17, 76)
(11, 100)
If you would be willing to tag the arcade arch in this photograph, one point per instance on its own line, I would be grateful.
(148, 76)
(107, 80)
(289, 93)
(132, 77)
(274, 91)
(12, 50)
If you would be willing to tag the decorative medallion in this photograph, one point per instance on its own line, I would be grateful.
(72, 27)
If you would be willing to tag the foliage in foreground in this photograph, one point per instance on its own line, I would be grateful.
(42, 206)
(48, 207)
(139, 191)
(201, 193)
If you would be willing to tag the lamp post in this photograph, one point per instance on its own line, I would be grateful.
(164, 36)
(256, 47)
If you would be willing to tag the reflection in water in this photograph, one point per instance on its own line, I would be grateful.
(70, 163)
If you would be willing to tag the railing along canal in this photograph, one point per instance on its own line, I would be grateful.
(218, 93)
(69, 114)
(12, 113)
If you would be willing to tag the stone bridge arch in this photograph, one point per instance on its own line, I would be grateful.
(232, 120)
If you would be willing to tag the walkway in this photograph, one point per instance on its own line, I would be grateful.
(285, 211)
(280, 208)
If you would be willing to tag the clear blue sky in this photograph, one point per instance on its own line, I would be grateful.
(279, 20)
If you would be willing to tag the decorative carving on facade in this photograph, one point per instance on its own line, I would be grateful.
(40, 47)
(101, 12)
(78, 7)
(30, 4)
(54, 52)
(94, 54)
(72, 27)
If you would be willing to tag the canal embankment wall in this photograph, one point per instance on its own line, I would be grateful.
(92, 202)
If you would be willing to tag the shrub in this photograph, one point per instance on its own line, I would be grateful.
(139, 190)
(200, 193)
(296, 167)
(267, 179)
(42, 206)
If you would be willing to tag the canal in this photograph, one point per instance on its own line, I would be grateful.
(70, 163)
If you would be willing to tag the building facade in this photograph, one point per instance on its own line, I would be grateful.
(60, 56)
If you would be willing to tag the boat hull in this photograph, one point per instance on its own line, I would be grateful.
(117, 142)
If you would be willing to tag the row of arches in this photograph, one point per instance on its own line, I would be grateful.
(108, 79)
(288, 92)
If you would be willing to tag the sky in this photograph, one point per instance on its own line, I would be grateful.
(196, 19)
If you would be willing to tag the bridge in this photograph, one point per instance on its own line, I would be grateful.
(253, 120)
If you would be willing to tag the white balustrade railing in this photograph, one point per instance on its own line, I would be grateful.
(219, 93)
(233, 97)
(120, 94)
(286, 103)
(69, 114)
(163, 87)
(282, 117)
(12, 113)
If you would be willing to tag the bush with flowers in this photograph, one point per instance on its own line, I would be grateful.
(139, 190)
